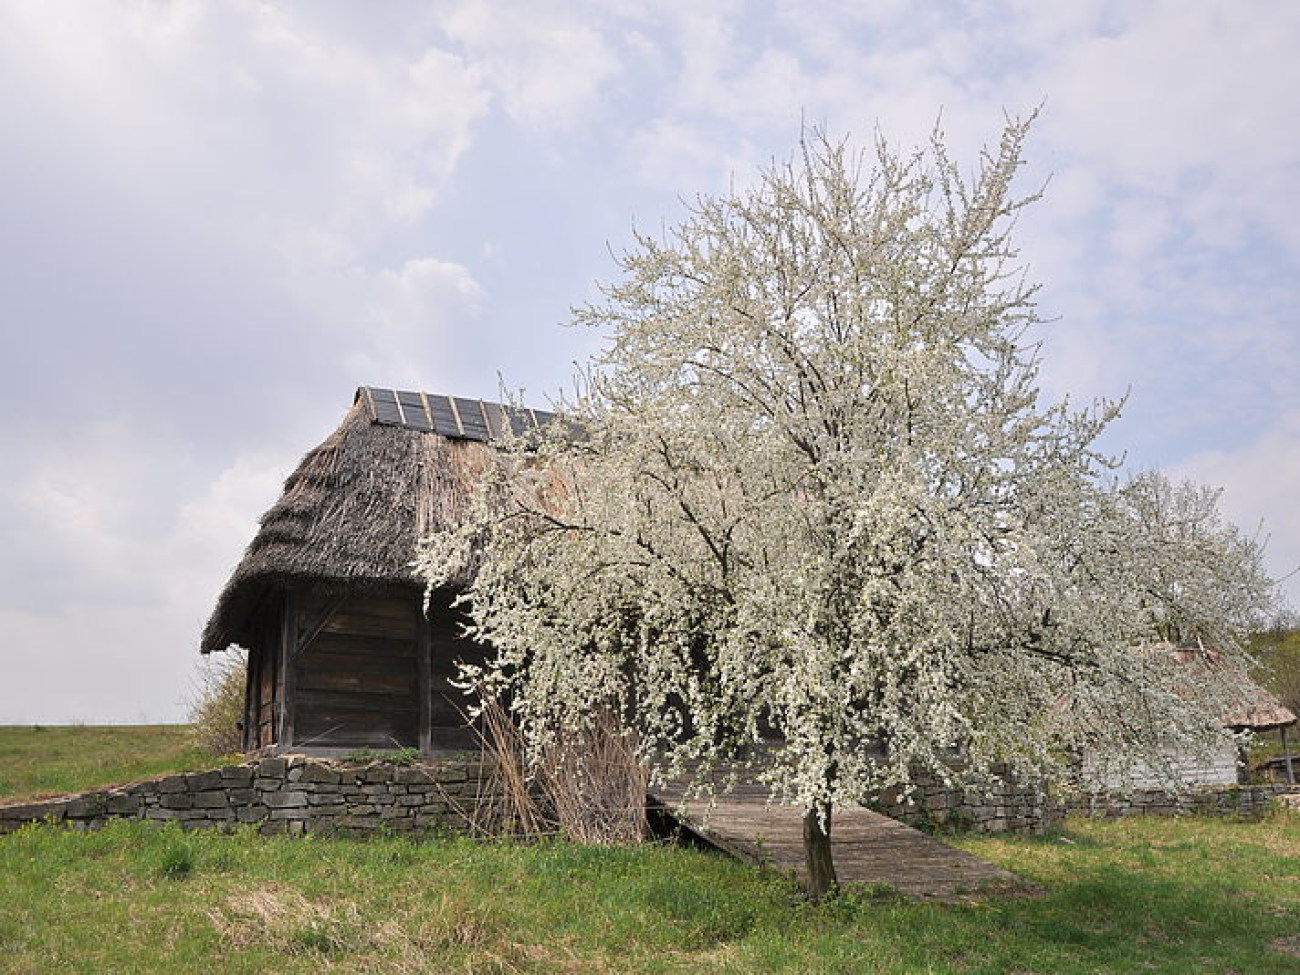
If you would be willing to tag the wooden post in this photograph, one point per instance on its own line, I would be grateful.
(288, 668)
(1286, 755)
(424, 661)
(252, 697)
(817, 851)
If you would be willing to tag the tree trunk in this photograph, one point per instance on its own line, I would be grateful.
(817, 851)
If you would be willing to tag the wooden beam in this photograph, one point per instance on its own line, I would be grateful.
(424, 662)
(304, 640)
(252, 698)
(288, 682)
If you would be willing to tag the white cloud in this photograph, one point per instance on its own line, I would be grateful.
(222, 214)
(119, 575)
(548, 64)
(1260, 482)
(1190, 102)
(406, 321)
(253, 121)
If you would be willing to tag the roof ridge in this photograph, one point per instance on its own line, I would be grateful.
(454, 417)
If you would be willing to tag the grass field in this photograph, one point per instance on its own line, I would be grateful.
(38, 761)
(1176, 896)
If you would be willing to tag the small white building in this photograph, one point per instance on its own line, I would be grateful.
(1252, 709)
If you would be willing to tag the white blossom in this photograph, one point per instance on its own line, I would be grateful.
(818, 498)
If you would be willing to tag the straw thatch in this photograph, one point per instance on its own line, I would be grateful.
(1249, 706)
(351, 515)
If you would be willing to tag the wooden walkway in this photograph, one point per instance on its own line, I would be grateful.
(868, 848)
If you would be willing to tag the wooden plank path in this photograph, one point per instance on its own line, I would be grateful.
(868, 848)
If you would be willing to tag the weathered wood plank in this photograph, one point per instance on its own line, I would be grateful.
(868, 848)
(424, 689)
(376, 616)
(342, 727)
(376, 702)
(287, 673)
(357, 644)
(344, 679)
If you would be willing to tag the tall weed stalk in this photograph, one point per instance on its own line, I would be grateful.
(589, 787)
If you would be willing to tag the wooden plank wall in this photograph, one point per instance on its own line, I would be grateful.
(358, 679)
(263, 677)
(365, 671)
(447, 704)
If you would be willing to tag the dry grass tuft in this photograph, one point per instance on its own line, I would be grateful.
(283, 920)
(1288, 946)
(591, 787)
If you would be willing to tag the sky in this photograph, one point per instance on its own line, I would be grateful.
(220, 217)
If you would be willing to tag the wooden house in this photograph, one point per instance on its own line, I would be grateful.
(341, 652)
(1240, 705)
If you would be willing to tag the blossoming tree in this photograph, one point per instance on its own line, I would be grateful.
(816, 500)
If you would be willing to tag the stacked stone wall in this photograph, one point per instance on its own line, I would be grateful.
(286, 794)
(1000, 807)
(1006, 807)
(296, 794)
(1249, 801)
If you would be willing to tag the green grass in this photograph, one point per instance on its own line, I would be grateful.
(37, 761)
(1151, 895)
(1174, 896)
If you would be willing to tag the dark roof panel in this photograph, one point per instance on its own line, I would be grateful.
(449, 416)
(384, 405)
(414, 414)
(444, 418)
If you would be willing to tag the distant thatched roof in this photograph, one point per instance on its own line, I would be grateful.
(1249, 705)
(398, 467)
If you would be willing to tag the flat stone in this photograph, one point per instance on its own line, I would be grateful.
(273, 768)
(413, 775)
(324, 811)
(213, 799)
(358, 822)
(318, 772)
(122, 804)
(279, 800)
(32, 812)
(203, 781)
(237, 776)
(87, 806)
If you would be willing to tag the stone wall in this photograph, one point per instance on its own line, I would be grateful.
(286, 794)
(1006, 807)
(1228, 800)
(297, 794)
(1000, 807)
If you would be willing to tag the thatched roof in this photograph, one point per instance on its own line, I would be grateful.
(398, 467)
(1249, 705)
